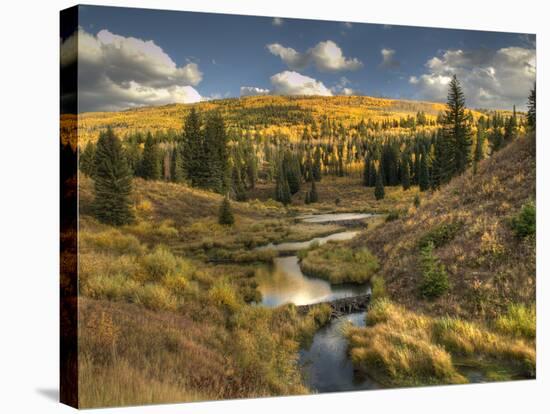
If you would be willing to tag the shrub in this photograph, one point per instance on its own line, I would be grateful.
(519, 321)
(223, 294)
(226, 215)
(441, 234)
(524, 224)
(392, 216)
(111, 241)
(378, 287)
(156, 297)
(434, 276)
(159, 263)
(117, 287)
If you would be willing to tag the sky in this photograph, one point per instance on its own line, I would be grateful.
(140, 57)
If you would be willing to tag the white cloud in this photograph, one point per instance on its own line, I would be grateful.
(117, 72)
(388, 59)
(490, 78)
(342, 88)
(293, 83)
(327, 56)
(347, 25)
(252, 91)
(277, 21)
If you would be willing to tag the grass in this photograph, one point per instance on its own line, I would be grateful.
(338, 264)
(403, 348)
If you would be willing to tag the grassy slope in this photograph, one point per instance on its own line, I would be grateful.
(488, 267)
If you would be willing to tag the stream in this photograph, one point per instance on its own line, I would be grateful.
(326, 365)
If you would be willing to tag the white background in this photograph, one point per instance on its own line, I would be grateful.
(29, 208)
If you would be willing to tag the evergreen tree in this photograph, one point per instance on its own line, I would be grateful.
(215, 153)
(316, 171)
(424, 178)
(532, 108)
(379, 193)
(480, 142)
(191, 148)
(405, 174)
(226, 215)
(366, 172)
(282, 189)
(176, 167)
(150, 164)
(313, 196)
(457, 130)
(87, 160)
(292, 171)
(510, 129)
(112, 181)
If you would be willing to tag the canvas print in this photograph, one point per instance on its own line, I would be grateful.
(264, 206)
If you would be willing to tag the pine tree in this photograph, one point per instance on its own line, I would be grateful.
(457, 130)
(292, 171)
(176, 167)
(87, 160)
(191, 148)
(405, 174)
(316, 171)
(532, 108)
(150, 164)
(313, 196)
(424, 178)
(112, 181)
(226, 215)
(480, 142)
(215, 151)
(366, 172)
(379, 193)
(282, 189)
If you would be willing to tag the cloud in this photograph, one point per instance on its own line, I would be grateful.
(277, 21)
(347, 25)
(490, 78)
(293, 83)
(253, 91)
(326, 56)
(388, 59)
(342, 88)
(117, 72)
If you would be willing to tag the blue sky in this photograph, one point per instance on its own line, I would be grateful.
(220, 54)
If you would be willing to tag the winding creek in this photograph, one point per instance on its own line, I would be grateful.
(325, 363)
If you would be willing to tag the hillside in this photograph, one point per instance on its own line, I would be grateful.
(469, 219)
(267, 114)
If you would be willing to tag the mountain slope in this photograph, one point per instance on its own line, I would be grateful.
(488, 266)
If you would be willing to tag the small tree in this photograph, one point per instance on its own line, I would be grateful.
(313, 196)
(150, 164)
(435, 281)
(226, 215)
(86, 160)
(424, 178)
(405, 175)
(379, 193)
(177, 173)
(532, 108)
(417, 200)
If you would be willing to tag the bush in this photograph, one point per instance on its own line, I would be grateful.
(378, 287)
(117, 287)
(441, 234)
(525, 223)
(226, 215)
(156, 297)
(111, 241)
(392, 216)
(159, 263)
(519, 321)
(434, 276)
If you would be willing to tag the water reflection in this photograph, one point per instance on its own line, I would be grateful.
(325, 218)
(326, 365)
(284, 282)
(295, 246)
